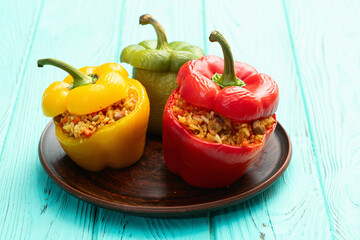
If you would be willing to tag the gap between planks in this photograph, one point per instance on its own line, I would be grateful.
(306, 109)
(23, 66)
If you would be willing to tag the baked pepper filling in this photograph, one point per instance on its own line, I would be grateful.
(83, 126)
(211, 126)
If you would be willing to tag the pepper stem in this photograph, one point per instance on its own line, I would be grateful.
(162, 43)
(228, 78)
(80, 79)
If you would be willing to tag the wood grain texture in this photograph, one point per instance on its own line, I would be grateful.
(79, 39)
(311, 48)
(294, 207)
(18, 26)
(33, 207)
(326, 51)
(174, 16)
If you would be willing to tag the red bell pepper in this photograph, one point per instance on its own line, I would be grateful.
(241, 94)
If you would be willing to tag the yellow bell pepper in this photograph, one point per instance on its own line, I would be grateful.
(91, 89)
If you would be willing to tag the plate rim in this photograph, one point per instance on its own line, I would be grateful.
(156, 211)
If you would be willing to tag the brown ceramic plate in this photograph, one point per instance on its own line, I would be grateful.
(148, 188)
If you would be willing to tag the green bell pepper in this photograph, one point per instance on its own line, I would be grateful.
(155, 64)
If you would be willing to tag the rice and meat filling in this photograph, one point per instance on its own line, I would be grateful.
(83, 126)
(213, 127)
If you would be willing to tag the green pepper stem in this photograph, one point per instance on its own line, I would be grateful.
(80, 79)
(162, 43)
(228, 78)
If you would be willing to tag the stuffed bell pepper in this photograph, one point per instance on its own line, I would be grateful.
(156, 63)
(219, 119)
(100, 115)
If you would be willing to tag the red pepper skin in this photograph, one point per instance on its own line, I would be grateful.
(258, 99)
(202, 163)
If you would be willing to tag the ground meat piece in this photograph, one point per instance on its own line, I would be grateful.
(213, 127)
(118, 114)
(258, 128)
(215, 124)
(57, 118)
(83, 126)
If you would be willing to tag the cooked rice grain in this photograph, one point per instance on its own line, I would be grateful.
(82, 126)
(213, 127)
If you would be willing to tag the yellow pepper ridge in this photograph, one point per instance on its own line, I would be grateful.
(110, 86)
(116, 145)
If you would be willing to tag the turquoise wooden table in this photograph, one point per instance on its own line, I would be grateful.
(310, 47)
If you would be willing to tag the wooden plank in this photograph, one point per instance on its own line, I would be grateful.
(50, 212)
(326, 50)
(294, 207)
(18, 23)
(32, 206)
(175, 18)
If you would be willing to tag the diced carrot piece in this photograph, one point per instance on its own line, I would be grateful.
(87, 132)
(64, 120)
(77, 120)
